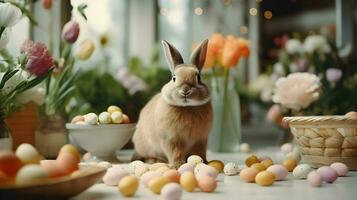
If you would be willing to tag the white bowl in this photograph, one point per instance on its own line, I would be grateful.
(102, 140)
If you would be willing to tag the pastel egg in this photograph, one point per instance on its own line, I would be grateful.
(203, 169)
(248, 174)
(258, 166)
(163, 169)
(117, 117)
(76, 119)
(265, 178)
(112, 109)
(9, 163)
(301, 171)
(294, 155)
(141, 169)
(126, 119)
(219, 165)
(264, 157)
(173, 175)
(188, 181)
(244, 147)
(68, 162)
(171, 191)
(128, 185)
(267, 163)
(328, 174)
(340, 168)
(231, 169)
(52, 168)
(194, 159)
(286, 148)
(279, 171)
(133, 165)
(157, 183)
(351, 114)
(72, 150)
(104, 118)
(207, 183)
(91, 118)
(186, 167)
(290, 164)
(30, 174)
(113, 176)
(87, 157)
(251, 160)
(156, 166)
(314, 179)
(147, 176)
(104, 164)
(28, 154)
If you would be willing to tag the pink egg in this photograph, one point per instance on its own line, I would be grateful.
(264, 157)
(328, 174)
(147, 176)
(52, 168)
(206, 170)
(340, 168)
(314, 179)
(113, 176)
(171, 191)
(187, 167)
(207, 183)
(279, 171)
(68, 162)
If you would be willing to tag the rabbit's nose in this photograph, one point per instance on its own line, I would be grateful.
(185, 92)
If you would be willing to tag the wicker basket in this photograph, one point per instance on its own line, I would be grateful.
(326, 139)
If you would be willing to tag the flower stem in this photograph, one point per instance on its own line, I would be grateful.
(225, 89)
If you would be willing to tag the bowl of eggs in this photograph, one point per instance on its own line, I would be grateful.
(324, 140)
(102, 135)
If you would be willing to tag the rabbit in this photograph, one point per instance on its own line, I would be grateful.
(175, 123)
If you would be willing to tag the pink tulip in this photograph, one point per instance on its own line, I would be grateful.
(39, 59)
(70, 32)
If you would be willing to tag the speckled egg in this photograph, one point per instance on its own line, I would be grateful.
(203, 169)
(251, 160)
(314, 179)
(286, 148)
(30, 174)
(52, 168)
(171, 191)
(245, 148)
(219, 165)
(9, 163)
(188, 181)
(265, 178)
(340, 168)
(258, 166)
(231, 169)
(279, 171)
(156, 166)
(133, 165)
(157, 183)
(301, 171)
(28, 154)
(91, 118)
(206, 183)
(117, 117)
(328, 174)
(194, 160)
(186, 167)
(147, 176)
(113, 176)
(104, 118)
(290, 164)
(128, 185)
(173, 175)
(248, 174)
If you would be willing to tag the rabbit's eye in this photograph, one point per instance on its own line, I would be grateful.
(173, 78)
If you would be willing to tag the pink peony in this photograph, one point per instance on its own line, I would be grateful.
(297, 90)
(70, 32)
(39, 59)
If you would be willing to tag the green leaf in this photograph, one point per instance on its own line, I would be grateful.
(81, 8)
(7, 76)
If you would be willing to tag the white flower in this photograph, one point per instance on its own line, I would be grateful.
(297, 90)
(293, 46)
(279, 69)
(13, 81)
(4, 38)
(132, 83)
(35, 94)
(316, 43)
(260, 84)
(9, 14)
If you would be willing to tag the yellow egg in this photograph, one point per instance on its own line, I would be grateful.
(173, 175)
(290, 164)
(112, 109)
(128, 185)
(162, 169)
(157, 183)
(258, 166)
(188, 181)
(219, 165)
(267, 163)
(28, 154)
(156, 166)
(248, 174)
(72, 150)
(265, 178)
(117, 117)
(251, 160)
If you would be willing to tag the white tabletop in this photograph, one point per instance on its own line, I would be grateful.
(231, 187)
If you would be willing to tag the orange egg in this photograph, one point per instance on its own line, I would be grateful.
(267, 163)
(52, 168)
(126, 119)
(251, 160)
(248, 174)
(173, 175)
(71, 149)
(207, 183)
(290, 164)
(68, 162)
(9, 163)
(265, 178)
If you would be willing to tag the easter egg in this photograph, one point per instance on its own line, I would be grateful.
(207, 183)
(267, 163)
(219, 165)
(52, 168)
(294, 155)
(70, 149)
(286, 148)
(126, 119)
(112, 109)
(248, 174)
(265, 178)
(117, 117)
(104, 118)
(251, 160)
(340, 168)
(264, 157)
(156, 166)
(76, 119)
(68, 162)
(87, 157)
(351, 114)
(141, 169)
(173, 175)
(231, 169)
(147, 176)
(203, 169)
(128, 185)
(171, 191)
(186, 167)
(314, 179)
(30, 174)
(244, 147)
(188, 181)
(91, 118)
(290, 164)
(194, 160)
(28, 154)
(279, 171)
(163, 169)
(157, 183)
(114, 175)
(9, 163)
(328, 174)
(258, 166)
(301, 171)
(133, 165)
(104, 164)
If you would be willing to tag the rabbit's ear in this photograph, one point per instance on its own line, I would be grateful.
(198, 56)
(172, 55)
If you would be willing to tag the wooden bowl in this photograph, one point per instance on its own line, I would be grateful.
(324, 140)
(58, 188)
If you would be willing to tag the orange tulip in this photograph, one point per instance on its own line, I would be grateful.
(244, 47)
(214, 49)
(233, 49)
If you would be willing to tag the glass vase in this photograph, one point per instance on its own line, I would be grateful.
(5, 134)
(51, 135)
(226, 132)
